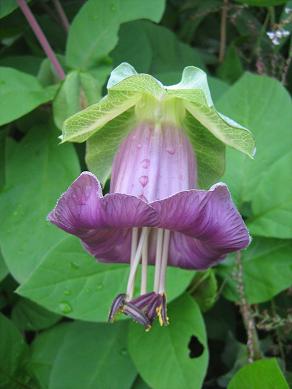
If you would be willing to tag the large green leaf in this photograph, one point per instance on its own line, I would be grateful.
(261, 374)
(94, 30)
(262, 3)
(44, 351)
(267, 270)
(71, 282)
(263, 185)
(28, 316)
(84, 355)
(13, 356)
(163, 55)
(6, 7)
(162, 355)
(3, 268)
(20, 93)
(38, 170)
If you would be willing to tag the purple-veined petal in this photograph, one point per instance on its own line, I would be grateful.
(79, 209)
(153, 163)
(102, 223)
(206, 226)
(120, 210)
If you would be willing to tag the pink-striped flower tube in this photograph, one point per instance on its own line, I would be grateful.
(153, 215)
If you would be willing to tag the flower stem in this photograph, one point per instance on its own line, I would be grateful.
(41, 38)
(253, 346)
(62, 15)
(164, 261)
(223, 31)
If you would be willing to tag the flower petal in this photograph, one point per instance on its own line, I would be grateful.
(121, 210)
(207, 226)
(78, 209)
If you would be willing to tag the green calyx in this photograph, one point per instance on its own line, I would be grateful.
(136, 97)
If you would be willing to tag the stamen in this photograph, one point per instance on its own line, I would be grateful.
(134, 243)
(117, 306)
(164, 261)
(144, 266)
(136, 314)
(135, 263)
(158, 259)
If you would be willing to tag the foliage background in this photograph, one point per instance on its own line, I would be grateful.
(54, 298)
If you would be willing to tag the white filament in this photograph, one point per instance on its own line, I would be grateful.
(144, 266)
(158, 259)
(134, 264)
(164, 260)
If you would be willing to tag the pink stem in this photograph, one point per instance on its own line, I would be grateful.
(41, 38)
(61, 14)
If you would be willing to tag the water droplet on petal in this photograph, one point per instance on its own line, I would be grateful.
(170, 150)
(65, 307)
(144, 180)
(145, 163)
(139, 146)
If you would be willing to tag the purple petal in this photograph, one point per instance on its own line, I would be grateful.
(120, 210)
(78, 209)
(154, 164)
(207, 226)
(102, 223)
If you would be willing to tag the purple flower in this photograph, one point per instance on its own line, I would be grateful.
(152, 215)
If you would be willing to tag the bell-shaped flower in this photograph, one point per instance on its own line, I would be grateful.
(154, 213)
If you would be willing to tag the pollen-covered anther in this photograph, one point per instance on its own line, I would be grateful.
(136, 314)
(117, 307)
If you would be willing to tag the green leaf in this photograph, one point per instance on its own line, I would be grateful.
(231, 69)
(77, 92)
(84, 355)
(28, 316)
(70, 282)
(258, 375)
(267, 270)
(263, 105)
(262, 3)
(89, 353)
(94, 30)
(13, 356)
(44, 351)
(24, 63)
(3, 268)
(38, 170)
(168, 347)
(203, 289)
(20, 93)
(6, 7)
(163, 55)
